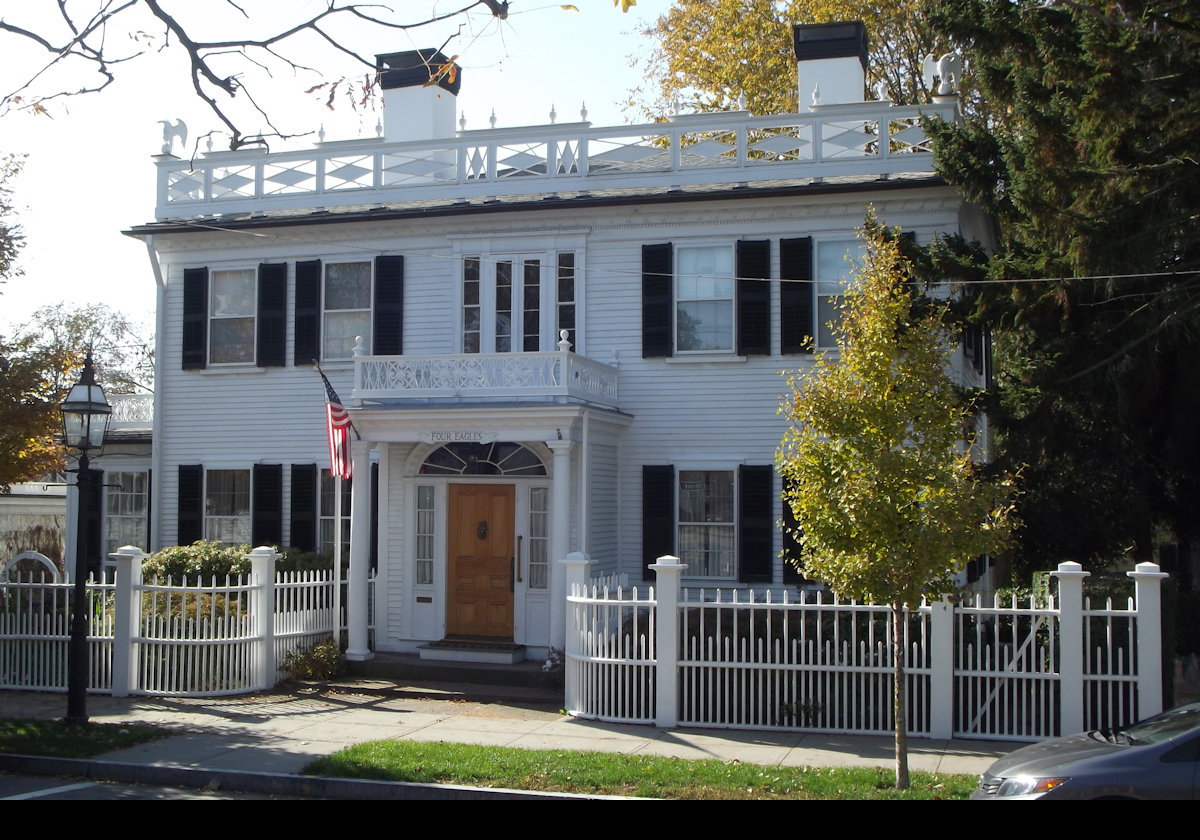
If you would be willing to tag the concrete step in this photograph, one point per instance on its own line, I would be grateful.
(411, 675)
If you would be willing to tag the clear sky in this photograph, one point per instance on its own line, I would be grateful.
(89, 173)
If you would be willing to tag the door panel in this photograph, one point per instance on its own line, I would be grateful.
(479, 587)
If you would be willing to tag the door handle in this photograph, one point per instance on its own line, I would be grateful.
(519, 538)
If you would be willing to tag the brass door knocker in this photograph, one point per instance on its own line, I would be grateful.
(482, 530)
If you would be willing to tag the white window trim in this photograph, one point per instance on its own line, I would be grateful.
(249, 515)
(731, 468)
(730, 247)
(209, 317)
(325, 311)
(517, 248)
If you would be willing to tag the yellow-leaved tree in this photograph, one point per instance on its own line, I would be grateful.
(877, 462)
(709, 52)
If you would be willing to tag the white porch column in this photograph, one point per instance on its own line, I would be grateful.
(560, 536)
(357, 649)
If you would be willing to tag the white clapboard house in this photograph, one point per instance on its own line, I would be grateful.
(551, 339)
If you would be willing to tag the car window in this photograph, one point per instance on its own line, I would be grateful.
(1168, 725)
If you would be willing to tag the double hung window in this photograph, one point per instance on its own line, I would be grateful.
(126, 495)
(347, 308)
(227, 506)
(232, 307)
(704, 309)
(837, 261)
(707, 525)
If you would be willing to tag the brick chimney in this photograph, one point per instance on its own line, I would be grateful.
(832, 58)
(412, 108)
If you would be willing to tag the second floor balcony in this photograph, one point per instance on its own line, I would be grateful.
(466, 379)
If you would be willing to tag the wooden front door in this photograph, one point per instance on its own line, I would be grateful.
(480, 582)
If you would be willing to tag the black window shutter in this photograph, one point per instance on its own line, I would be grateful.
(272, 315)
(149, 512)
(753, 297)
(657, 301)
(388, 327)
(195, 318)
(791, 546)
(94, 552)
(189, 523)
(374, 516)
(307, 319)
(304, 507)
(796, 322)
(755, 523)
(266, 506)
(658, 515)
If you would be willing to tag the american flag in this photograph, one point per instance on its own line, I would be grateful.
(338, 423)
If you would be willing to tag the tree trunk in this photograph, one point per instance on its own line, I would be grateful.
(898, 702)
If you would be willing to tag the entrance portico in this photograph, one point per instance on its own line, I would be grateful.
(476, 506)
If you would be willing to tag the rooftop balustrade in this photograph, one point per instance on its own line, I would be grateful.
(732, 148)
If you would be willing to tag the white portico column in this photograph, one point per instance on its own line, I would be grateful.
(560, 535)
(360, 552)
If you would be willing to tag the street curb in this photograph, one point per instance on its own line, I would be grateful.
(278, 784)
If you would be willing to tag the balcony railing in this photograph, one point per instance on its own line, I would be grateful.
(735, 148)
(131, 411)
(470, 377)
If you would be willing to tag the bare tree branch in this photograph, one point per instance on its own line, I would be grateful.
(213, 80)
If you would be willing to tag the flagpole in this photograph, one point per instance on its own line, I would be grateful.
(337, 564)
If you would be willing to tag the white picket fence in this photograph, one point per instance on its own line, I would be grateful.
(780, 659)
(193, 637)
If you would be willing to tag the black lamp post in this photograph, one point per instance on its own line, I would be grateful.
(85, 414)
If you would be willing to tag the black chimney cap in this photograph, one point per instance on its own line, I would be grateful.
(830, 40)
(414, 68)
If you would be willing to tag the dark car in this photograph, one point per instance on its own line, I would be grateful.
(1158, 758)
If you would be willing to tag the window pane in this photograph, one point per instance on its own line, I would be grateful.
(531, 316)
(341, 332)
(471, 307)
(539, 539)
(232, 293)
(425, 535)
(503, 307)
(348, 286)
(705, 325)
(232, 340)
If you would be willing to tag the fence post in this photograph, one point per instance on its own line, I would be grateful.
(576, 573)
(941, 664)
(1071, 653)
(669, 575)
(1147, 580)
(127, 617)
(262, 571)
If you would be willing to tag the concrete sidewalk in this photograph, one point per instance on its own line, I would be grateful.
(264, 740)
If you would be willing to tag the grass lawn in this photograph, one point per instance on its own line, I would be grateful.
(67, 740)
(622, 775)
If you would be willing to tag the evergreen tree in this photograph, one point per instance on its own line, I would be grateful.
(1088, 161)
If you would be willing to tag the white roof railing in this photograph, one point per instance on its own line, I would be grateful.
(728, 148)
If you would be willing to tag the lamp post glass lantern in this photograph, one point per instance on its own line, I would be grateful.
(85, 414)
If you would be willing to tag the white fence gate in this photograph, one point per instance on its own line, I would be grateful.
(786, 660)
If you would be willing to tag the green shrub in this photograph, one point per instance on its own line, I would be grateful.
(205, 559)
(324, 661)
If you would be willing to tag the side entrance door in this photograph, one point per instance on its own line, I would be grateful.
(479, 600)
